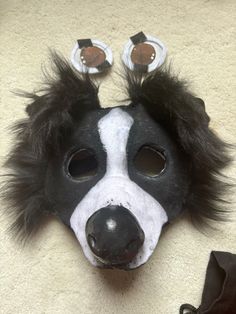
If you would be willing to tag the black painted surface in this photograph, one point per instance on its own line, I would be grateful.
(138, 38)
(84, 43)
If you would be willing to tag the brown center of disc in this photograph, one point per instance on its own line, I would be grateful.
(143, 54)
(92, 56)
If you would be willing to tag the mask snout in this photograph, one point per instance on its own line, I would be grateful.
(114, 235)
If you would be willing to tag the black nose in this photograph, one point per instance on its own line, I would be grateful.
(114, 235)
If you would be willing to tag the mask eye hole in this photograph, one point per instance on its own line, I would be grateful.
(150, 161)
(82, 164)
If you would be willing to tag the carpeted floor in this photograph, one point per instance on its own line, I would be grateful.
(51, 275)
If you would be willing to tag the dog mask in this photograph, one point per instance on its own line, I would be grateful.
(115, 176)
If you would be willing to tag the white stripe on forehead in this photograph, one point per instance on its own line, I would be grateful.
(114, 132)
(116, 188)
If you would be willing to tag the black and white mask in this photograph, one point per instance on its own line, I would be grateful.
(115, 176)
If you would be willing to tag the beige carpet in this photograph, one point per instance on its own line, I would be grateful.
(51, 275)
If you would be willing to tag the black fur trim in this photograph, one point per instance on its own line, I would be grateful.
(64, 99)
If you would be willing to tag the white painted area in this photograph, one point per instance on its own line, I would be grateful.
(111, 224)
(116, 188)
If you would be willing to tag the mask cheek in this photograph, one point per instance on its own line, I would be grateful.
(146, 251)
(152, 226)
(78, 226)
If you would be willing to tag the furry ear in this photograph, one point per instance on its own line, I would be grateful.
(51, 116)
(183, 115)
(66, 98)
